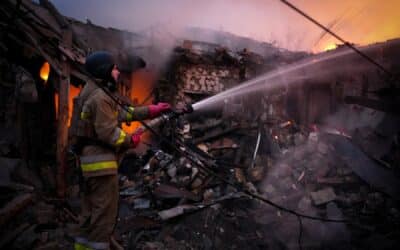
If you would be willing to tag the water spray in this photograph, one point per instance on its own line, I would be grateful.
(280, 77)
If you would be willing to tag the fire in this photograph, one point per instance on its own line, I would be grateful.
(142, 83)
(45, 71)
(73, 92)
(56, 101)
(330, 46)
(325, 46)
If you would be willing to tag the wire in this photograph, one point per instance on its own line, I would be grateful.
(300, 232)
(363, 55)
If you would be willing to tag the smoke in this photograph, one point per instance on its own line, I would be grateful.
(155, 46)
(349, 118)
(360, 22)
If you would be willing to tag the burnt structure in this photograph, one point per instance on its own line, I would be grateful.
(283, 144)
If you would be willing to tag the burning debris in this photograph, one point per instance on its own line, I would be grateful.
(259, 163)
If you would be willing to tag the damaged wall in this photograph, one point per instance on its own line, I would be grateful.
(290, 162)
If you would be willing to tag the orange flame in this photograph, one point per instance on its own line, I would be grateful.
(73, 92)
(141, 85)
(330, 46)
(45, 71)
(56, 101)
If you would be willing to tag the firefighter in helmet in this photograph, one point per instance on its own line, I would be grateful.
(100, 138)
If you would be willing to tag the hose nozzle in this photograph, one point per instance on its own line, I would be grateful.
(183, 109)
(166, 117)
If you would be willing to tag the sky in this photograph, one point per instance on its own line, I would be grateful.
(358, 21)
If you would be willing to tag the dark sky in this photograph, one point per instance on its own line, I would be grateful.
(359, 21)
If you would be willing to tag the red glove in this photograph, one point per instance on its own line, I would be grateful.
(135, 138)
(156, 110)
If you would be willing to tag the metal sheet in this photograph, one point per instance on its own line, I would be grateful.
(378, 177)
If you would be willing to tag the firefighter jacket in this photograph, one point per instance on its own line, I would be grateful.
(104, 115)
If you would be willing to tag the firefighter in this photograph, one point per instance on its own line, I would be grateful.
(102, 137)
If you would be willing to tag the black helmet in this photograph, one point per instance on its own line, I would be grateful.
(131, 63)
(100, 64)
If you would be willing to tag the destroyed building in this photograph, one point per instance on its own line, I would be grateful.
(268, 167)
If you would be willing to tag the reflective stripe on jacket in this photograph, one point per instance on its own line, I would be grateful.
(134, 114)
(84, 244)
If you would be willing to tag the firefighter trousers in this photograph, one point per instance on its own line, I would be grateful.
(99, 212)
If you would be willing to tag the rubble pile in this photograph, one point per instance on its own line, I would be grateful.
(243, 174)
(30, 217)
(167, 201)
(313, 178)
(170, 195)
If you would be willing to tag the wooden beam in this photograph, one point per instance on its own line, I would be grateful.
(61, 20)
(16, 186)
(63, 107)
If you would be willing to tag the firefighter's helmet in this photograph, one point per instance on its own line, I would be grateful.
(100, 64)
(130, 63)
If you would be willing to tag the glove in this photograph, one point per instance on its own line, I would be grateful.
(156, 110)
(135, 138)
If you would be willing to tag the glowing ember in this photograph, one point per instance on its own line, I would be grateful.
(56, 98)
(285, 124)
(45, 71)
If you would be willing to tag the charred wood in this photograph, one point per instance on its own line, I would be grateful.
(14, 207)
